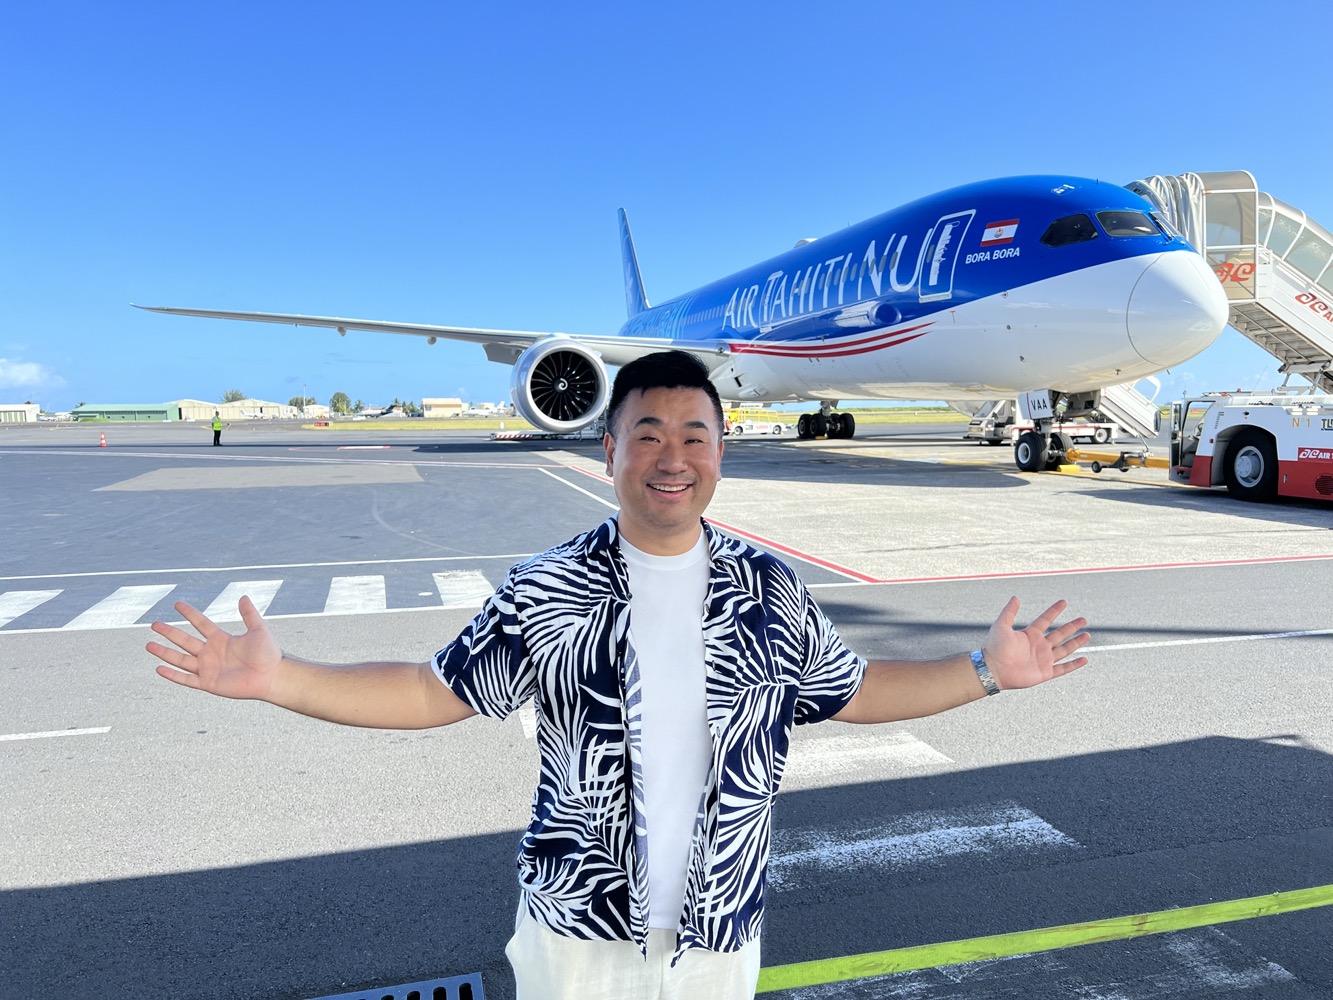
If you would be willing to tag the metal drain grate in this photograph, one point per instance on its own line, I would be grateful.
(454, 988)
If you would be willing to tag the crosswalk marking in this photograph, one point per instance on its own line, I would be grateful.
(355, 595)
(462, 588)
(224, 607)
(125, 607)
(20, 602)
(801, 857)
(854, 751)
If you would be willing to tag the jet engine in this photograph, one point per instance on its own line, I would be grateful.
(559, 385)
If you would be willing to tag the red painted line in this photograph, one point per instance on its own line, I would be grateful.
(768, 543)
(765, 542)
(961, 577)
(1105, 569)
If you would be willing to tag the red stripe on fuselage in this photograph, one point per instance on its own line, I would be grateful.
(836, 349)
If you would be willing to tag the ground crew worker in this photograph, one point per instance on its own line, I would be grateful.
(217, 429)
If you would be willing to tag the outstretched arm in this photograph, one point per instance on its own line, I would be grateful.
(251, 665)
(894, 690)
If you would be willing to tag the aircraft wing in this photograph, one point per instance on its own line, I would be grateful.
(501, 345)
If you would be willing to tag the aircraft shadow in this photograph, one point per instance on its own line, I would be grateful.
(1144, 829)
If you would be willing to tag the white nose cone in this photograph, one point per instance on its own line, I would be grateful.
(1177, 309)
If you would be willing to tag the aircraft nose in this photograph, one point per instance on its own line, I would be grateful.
(1177, 308)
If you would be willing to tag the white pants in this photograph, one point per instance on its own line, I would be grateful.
(548, 966)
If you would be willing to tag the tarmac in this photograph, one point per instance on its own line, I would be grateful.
(167, 843)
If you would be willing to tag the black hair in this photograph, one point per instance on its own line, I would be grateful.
(663, 370)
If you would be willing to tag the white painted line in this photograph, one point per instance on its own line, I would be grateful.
(580, 489)
(355, 595)
(804, 857)
(462, 589)
(1210, 639)
(20, 602)
(224, 607)
(527, 717)
(510, 557)
(125, 607)
(56, 732)
(853, 752)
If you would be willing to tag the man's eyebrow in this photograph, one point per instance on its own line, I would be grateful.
(657, 422)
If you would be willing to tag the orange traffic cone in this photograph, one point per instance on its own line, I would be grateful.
(103, 444)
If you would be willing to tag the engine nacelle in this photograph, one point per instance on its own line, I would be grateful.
(559, 385)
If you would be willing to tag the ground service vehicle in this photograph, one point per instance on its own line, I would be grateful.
(1260, 446)
(999, 421)
(752, 421)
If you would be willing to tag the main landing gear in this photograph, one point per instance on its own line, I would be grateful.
(825, 424)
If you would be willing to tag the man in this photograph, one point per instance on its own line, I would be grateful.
(217, 429)
(667, 663)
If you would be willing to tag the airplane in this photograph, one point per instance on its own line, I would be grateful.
(1052, 286)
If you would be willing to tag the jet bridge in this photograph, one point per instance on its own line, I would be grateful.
(1274, 262)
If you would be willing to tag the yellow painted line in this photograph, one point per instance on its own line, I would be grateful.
(929, 956)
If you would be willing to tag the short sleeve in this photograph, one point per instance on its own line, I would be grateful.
(831, 674)
(488, 665)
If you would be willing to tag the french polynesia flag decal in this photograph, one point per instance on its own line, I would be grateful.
(999, 232)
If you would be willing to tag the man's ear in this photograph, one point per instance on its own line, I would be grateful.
(609, 446)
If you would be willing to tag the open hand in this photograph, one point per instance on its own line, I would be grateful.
(1027, 657)
(233, 666)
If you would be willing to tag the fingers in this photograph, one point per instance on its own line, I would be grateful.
(249, 613)
(202, 623)
(1008, 614)
(191, 644)
(1047, 618)
(181, 677)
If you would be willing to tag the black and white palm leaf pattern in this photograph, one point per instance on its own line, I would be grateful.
(557, 631)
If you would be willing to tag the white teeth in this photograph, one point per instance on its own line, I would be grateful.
(669, 489)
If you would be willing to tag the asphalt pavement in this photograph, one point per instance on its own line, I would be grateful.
(164, 843)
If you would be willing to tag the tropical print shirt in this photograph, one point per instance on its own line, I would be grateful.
(557, 631)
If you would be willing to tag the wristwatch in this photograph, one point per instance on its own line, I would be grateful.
(983, 673)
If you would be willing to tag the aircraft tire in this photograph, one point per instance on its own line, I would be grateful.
(1251, 466)
(848, 425)
(1030, 452)
(1055, 453)
(819, 425)
(803, 427)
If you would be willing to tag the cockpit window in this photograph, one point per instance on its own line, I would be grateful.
(1164, 224)
(1070, 229)
(1127, 224)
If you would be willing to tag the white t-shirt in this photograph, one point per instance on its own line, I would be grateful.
(666, 629)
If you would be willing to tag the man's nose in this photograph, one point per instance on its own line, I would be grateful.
(671, 457)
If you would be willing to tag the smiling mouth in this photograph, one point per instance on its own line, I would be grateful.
(668, 488)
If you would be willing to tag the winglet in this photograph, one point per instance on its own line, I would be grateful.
(635, 301)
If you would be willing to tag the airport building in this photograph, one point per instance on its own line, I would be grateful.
(443, 407)
(19, 413)
(189, 410)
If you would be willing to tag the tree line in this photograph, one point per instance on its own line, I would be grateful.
(339, 403)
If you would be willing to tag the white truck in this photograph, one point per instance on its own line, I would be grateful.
(999, 421)
(1260, 446)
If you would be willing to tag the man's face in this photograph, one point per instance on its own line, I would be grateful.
(665, 460)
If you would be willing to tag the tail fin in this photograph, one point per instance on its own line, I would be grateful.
(635, 301)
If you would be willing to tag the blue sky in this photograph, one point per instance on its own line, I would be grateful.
(462, 164)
